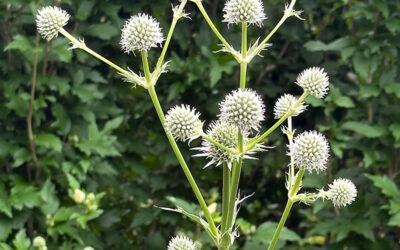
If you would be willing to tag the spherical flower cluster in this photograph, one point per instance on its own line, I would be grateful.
(181, 243)
(310, 150)
(183, 123)
(79, 196)
(141, 32)
(342, 192)
(243, 108)
(50, 20)
(88, 248)
(315, 81)
(285, 104)
(250, 11)
(39, 242)
(225, 134)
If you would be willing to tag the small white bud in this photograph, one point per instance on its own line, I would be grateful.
(285, 104)
(243, 108)
(79, 196)
(311, 151)
(50, 20)
(181, 243)
(315, 81)
(141, 32)
(342, 192)
(183, 123)
(39, 242)
(250, 11)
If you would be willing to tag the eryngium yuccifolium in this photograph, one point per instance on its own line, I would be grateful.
(183, 123)
(315, 81)
(141, 32)
(342, 192)
(250, 11)
(39, 242)
(50, 20)
(310, 150)
(225, 134)
(181, 243)
(286, 104)
(244, 109)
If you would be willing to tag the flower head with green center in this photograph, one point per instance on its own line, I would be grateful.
(181, 243)
(315, 81)
(50, 20)
(243, 108)
(250, 11)
(311, 151)
(183, 123)
(342, 192)
(285, 104)
(141, 33)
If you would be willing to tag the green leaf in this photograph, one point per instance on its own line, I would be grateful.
(5, 228)
(369, 90)
(387, 186)
(21, 156)
(394, 220)
(49, 196)
(61, 49)
(19, 42)
(266, 230)
(103, 31)
(49, 141)
(336, 45)
(395, 129)
(361, 65)
(393, 88)
(23, 195)
(21, 241)
(364, 129)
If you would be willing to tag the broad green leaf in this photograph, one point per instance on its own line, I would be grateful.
(49, 196)
(49, 141)
(336, 45)
(361, 65)
(5, 227)
(21, 156)
(387, 186)
(395, 129)
(23, 195)
(369, 131)
(19, 42)
(395, 220)
(393, 88)
(103, 31)
(21, 241)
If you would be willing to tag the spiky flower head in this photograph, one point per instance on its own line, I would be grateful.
(250, 11)
(50, 20)
(342, 192)
(141, 32)
(181, 243)
(243, 108)
(310, 150)
(39, 242)
(183, 123)
(285, 104)
(315, 81)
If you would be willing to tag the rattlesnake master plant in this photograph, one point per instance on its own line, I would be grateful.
(230, 139)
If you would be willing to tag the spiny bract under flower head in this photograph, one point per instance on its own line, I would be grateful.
(315, 81)
(181, 243)
(244, 109)
(250, 11)
(342, 192)
(183, 123)
(141, 33)
(310, 150)
(50, 20)
(285, 104)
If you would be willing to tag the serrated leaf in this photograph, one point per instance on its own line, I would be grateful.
(369, 131)
(49, 141)
(393, 88)
(21, 241)
(387, 186)
(19, 42)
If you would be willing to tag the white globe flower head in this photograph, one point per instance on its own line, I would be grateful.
(183, 123)
(285, 104)
(243, 108)
(50, 20)
(181, 243)
(311, 151)
(39, 242)
(88, 248)
(79, 196)
(141, 33)
(315, 81)
(342, 192)
(250, 11)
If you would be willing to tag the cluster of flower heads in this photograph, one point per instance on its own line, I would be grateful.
(50, 20)
(249, 11)
(40, 243)
(181, 243)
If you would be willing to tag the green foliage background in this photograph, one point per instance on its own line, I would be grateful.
(95, 132)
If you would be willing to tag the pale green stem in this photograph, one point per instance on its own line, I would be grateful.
(82, 45)
(288, 207)
(243, 64)
(225, 197)
(219, 145)
(260, 47)
(251, 144)
(178, 154)
(290, 138)
(215, 30)
(237, 167)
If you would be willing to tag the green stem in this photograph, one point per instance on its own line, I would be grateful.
(260, 47)
(243, 64)
(251, 144)
(208, 138)
(175, 148)
(288, 207)
(290, 138)
(225, 197)
(146, 67)
(237, 168)
(215, 30)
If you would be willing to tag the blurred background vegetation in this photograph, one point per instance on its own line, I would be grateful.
(94, 132)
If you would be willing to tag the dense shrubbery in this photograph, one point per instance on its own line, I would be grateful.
(94, 133)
